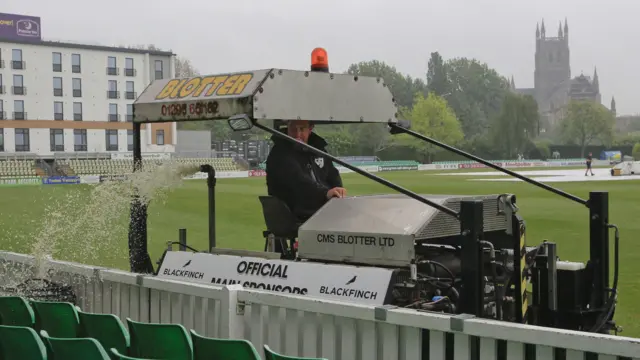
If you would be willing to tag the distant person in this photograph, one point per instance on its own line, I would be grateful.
(589, 159)
(300, 178)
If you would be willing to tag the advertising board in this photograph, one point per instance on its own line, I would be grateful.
(257, 172)
(397, 167)
(20, 27)
(150, 156)
(20, 181)
(60, 180)
(362, 285)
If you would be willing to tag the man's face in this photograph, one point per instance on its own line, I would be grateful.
(300, 130)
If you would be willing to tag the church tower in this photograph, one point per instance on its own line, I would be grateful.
(552, 74)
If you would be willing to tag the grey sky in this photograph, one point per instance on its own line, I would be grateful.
(229, 35)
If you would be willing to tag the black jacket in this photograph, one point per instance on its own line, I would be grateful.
(300, 178)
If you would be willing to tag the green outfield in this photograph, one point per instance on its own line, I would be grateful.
(32, 212)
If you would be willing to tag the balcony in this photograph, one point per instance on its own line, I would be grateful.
(114, 117)
(58, 116)
(113, 94)
(3, 115)
(76, 69)
(2, 89)
(77, 93)
(19, 115)
(129, 118)
(19, 90)
(57, 147)
(18, 65)
(57, 92)
(1, 64)
(113, 71)
(77, 117)
(79, 147)
(130, 72)
(57, 67)
(130, 95)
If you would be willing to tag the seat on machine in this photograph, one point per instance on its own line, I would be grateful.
(281, 223)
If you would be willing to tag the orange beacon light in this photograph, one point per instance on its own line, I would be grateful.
(319, 60)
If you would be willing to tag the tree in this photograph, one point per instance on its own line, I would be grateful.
(636, 151)
(431, 116)
(403, 87)
(517, 124)
(437, 81)
(585, 122)
(184, 68)
(475, 92)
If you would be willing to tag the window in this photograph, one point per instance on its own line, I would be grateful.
(57, 62)
(77, 111)
(112, 93)
(112, 140)
(129, 140)
(129, 112)
(1, 85)
(1, 139)
(57, 139)
(128, 67)
(75, 63)
(22, 140)
(2, 110)
(159, 70)
(16, 59)
(57, 111)
(79, 140)
(112, 66)
(18, 85)
(130, 94)
(1, 61)
(18, 110)
(113, 112)
(57, 86)
(159, 137)
(77, 87)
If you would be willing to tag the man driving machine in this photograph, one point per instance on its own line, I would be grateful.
(298, 177)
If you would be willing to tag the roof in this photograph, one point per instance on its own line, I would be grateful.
(70, 45)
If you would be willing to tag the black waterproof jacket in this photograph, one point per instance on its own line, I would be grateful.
(299, 177)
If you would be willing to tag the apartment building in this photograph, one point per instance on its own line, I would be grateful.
(58, 97)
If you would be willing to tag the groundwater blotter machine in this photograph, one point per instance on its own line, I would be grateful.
(443, 253)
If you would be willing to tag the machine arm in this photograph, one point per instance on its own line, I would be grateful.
(397, 129)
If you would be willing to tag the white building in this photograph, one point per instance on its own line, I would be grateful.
(68, 98)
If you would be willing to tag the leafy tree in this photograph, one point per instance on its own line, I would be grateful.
(636, 151)
(403, 87)
(475, 92)
(437, 81)
(514, 128)
(432, 117)
(585, 122)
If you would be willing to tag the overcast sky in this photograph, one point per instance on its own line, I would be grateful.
(230, 35)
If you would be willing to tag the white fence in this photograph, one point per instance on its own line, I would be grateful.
(315, 328)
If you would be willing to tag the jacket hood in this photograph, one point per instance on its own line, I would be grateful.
(315, 140)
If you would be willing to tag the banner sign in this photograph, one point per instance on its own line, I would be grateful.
(20, 181)
(361, 285)
(129, 156)
(57, 180)
(104, 178)
(397, 167)
(19, 27)
(257, 173)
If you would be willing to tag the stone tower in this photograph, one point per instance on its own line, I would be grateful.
(552, 76)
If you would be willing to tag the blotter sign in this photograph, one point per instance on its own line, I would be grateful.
(362, 285)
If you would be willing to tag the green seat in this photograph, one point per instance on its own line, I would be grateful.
(160, 341)
(106, 328)
(74, 349)
(205, 348)
(118, 356)
(16, 311)
(272, 355)
(21, 343)
(58, 319)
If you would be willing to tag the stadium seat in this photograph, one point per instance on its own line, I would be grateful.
(272, 355)
(58, 319)
(116, 355)
(159, 341)
(16, 311)
(74, 349)
(21, 343)
(205, 348)
(106, 328)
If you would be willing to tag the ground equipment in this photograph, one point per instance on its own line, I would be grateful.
(626, 167)
(445, 253)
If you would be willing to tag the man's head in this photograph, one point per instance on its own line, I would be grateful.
(299, 129)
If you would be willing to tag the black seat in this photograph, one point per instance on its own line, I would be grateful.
(281, 223)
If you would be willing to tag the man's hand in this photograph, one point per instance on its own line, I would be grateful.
(336, 192)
